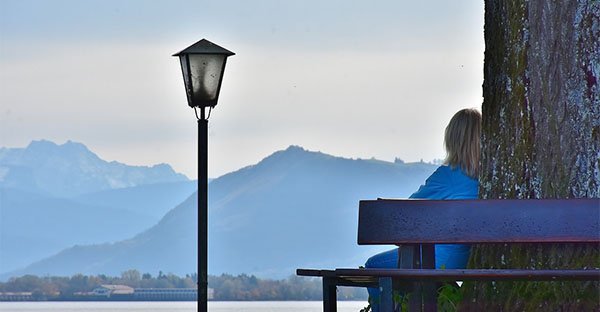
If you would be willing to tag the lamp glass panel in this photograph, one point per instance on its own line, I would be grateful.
(206, 72)
(185, 72)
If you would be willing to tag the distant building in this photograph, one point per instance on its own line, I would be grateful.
(159, 294)
(122, 292)
(16, 296)
(113, 290)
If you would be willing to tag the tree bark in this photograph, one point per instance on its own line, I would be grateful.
(541, 139)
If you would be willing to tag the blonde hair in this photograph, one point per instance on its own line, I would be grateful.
(462, 139)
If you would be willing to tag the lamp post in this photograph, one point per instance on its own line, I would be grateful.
(202, 66)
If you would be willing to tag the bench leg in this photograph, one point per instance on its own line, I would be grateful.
(386, 296)
(415, 300)
(423, 298)
(329, 294)
(429, 297)
(409, 257)
(429, 288)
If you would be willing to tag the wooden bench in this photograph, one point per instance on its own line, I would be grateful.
(416, 225)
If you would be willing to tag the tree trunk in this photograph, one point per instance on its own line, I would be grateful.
(541, 139)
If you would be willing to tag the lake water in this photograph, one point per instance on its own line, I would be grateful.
(215, 306)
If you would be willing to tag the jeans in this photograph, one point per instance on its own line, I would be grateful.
(446, 256)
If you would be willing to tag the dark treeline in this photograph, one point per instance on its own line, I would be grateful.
(53, 287)
(243, 287)
(226, 287)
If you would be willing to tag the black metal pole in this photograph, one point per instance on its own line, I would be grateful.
(202, 212)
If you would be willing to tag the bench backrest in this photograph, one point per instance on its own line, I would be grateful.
(394, 222)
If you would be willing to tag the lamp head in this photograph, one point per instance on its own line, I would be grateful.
(202, 66)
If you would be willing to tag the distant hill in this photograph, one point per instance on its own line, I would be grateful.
(168, 246)
(150, 200)
(71, 169)
(295, 208)
(46, 225)
(33, 226)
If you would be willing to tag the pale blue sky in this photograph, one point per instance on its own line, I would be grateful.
(349, 78)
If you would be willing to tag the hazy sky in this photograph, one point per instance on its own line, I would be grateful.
(356, 79)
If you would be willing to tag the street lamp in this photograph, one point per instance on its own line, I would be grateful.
(202, 66)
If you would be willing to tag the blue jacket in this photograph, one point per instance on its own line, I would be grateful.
(449, 183)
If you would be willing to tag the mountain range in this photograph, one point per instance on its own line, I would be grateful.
(295, 208)
(71, 169)
(55, 196)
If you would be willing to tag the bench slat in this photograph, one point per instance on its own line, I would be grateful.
(353, 281)
(479, 221)
(471, 274)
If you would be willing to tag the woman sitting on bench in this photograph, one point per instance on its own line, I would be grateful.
(456, 179)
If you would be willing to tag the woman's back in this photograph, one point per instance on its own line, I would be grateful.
(448, 183)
